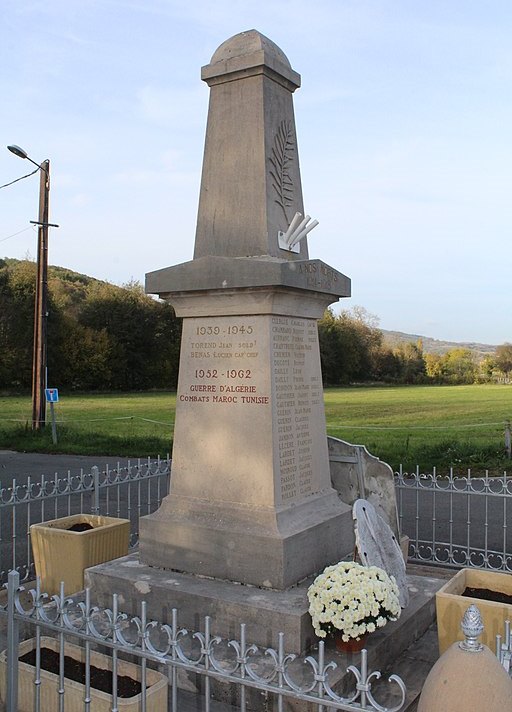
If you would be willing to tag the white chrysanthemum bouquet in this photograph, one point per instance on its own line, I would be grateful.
(352, 599)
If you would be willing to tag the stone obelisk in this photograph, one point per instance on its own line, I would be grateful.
(250, 499)
(251, 513)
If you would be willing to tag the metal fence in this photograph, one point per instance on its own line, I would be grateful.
(180, 655)
(451, 520)
(129, 492)
(456, 521)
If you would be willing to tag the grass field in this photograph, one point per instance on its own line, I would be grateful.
(442, 426)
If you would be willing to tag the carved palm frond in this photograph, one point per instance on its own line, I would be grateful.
(280, 159)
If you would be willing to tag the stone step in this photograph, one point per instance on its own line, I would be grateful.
(388, 644)
(413, 666)
(407, 647)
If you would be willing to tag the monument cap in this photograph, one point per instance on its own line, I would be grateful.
(249, 53)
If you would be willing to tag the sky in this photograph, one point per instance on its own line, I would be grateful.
(404, 128)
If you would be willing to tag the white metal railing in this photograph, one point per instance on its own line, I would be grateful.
(128, 492)
(504, 648)
(237, 663)
(456, 521)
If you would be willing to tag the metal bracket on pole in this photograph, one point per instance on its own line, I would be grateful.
(43, 224)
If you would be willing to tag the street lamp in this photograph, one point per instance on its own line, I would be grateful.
(39, 360)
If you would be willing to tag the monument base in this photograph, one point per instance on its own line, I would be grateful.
(267, 547)
(266, 613)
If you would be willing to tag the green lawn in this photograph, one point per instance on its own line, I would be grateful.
(442, 426)
(460, 426)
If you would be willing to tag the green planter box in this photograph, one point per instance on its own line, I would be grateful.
(63, 555)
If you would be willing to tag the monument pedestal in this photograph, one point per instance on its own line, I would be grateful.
(251, 497)
(271, 549)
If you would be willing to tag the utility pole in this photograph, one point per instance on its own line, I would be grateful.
(39, 354)
(39, 359)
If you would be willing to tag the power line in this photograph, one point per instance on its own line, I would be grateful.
(17, 233)
(17, 179)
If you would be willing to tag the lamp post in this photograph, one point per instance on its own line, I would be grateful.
(39, 359)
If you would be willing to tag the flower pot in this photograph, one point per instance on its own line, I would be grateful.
(62, 555)
(74, 692)
(451, 606)
(352, 645)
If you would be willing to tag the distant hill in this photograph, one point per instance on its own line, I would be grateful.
(435, 346)
(71, 288)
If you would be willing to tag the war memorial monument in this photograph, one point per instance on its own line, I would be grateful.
(251, 498)
(251, 515)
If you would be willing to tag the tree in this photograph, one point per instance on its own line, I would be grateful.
(458, 366)
(88, 358)
(503, 358)
(387, 366)
(349, 344)
(433, 368)
(138, 328)
(412, 362)
(99, 336)
(17, 297)
(330, 348)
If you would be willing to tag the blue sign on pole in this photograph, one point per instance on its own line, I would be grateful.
(52, 395)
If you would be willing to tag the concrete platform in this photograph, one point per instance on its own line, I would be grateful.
(265, 612)
(412, 636)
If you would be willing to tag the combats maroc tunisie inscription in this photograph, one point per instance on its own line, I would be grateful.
(226, 358)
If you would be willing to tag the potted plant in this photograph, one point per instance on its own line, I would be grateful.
(74, 691)
(349, 600)
(488, 590)
(64, 547)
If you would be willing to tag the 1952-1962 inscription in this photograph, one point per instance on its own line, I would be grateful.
(224, 354)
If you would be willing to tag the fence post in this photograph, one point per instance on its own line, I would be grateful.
(13, 636)
(508, 448)
(96, 497)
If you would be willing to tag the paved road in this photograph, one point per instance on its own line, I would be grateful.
(477, 522)
(21, 464)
